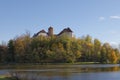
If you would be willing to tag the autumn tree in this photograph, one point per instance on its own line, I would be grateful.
(57, 49)
(113, 57)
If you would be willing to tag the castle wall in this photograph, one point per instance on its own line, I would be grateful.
(42, 34)
(68, 34)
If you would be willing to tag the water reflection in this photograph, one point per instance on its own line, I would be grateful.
(65, 72)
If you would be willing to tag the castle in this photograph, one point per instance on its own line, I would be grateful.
(65, 32)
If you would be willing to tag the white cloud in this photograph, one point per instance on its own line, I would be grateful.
(114, 44)
(115, 17)
(101, 18)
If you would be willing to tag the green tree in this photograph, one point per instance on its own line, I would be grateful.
(11, 53)
(105, 51)
(97, 50)
(3, 53)
(87, 49)
(103, 55)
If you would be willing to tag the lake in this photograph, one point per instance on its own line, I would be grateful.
(63, 72)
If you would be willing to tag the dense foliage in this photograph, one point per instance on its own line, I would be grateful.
(25, 49)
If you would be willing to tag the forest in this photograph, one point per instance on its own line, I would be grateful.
(27, 49)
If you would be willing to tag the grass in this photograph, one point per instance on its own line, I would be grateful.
(6, 78)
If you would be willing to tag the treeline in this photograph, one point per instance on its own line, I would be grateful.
(25, 49)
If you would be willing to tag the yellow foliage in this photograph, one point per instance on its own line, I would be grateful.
(113, 57)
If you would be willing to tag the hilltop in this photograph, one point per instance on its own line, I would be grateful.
(50, 48)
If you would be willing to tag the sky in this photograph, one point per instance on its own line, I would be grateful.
(98, 18)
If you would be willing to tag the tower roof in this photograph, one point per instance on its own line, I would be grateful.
(50, 27)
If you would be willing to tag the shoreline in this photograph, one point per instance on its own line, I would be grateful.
(77, 63)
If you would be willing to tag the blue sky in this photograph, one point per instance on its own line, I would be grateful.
(98, 18)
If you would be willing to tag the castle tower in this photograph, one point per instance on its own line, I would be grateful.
(50, 31)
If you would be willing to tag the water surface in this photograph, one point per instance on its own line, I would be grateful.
(63, 72)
